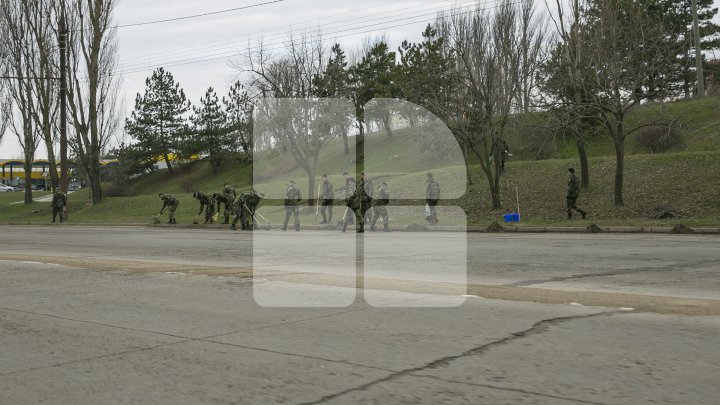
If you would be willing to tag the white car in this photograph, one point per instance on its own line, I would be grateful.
(6, 188)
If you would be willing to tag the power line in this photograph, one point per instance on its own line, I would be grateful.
(134, 68)
(254, 35)
(198, 15)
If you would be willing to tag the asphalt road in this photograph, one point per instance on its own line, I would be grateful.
(162, 315)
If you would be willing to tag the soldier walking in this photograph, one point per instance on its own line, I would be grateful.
(59, 201)
(573, 192)
(380, 207)
(292, 201)
(171, 203)
(432, 196)
(365, 188)
(353, 202)
(327, 197)
(208, 203)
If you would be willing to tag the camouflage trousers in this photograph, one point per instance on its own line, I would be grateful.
(380, 211)
(293, 210)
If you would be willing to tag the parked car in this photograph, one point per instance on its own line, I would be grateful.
(4, 188)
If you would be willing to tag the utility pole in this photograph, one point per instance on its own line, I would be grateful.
(62, 30)
(698, 52)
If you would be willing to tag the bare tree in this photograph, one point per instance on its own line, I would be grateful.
(487, 82)
(621, 60)
(20, 51)
(304, 132)
(41, 28)
(92, 85)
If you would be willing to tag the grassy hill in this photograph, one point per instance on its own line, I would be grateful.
(684, 180)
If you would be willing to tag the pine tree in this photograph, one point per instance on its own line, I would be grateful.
(158, 122)
(209, 135)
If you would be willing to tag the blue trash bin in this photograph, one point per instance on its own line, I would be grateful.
(508, 217)
(516, 217)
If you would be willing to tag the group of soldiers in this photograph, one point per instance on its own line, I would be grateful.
(243, 206)
(364, 203)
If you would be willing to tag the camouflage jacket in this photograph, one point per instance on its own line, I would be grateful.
(229, 190)
(292, 196)
(382, 197)
(573, 186)
(248, 199)
(327, 191)
(169, 200)
(205, 200)
(433, 190)
(365, 189)
(59, 200)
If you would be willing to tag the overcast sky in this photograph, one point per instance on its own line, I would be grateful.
(199, 51)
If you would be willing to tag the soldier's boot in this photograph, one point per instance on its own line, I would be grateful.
(284, 227)
(583, 213)
(169, 221)
(386, 226)
(324, 221)
(297, 226)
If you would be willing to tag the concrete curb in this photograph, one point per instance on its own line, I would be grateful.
(429, 228)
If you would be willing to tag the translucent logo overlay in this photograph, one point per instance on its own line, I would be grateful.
(413, 251)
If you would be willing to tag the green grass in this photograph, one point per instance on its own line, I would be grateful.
(684, 179)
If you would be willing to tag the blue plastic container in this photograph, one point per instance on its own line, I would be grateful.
(516, 217)
(508, 217)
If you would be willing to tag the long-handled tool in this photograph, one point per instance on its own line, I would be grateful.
(342, 221)
(317, 202)
(256, 219)
(157, 218)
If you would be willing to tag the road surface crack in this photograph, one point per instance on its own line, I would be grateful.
(536, 329)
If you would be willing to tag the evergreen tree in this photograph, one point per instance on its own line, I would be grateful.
(374, 76)
(158, 122)
(209, 134)
(239, 119)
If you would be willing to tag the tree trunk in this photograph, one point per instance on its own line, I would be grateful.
(95, 183)
(584, 167)
(386, 124)
(28, 179)
(346, 146)
(467, 166)
(619, 170)
(311, 189)
(169, 165)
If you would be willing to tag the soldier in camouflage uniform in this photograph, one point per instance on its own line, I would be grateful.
(573, 193)
(349, 182)
(380, 202)
(227, 199)
(326, 197)
(365, 187)
(171, 202)
(245, 206)
(353, 200)
(230, 196)
(59, 201)
(292, 201)
(432, 196)
(208, 203)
